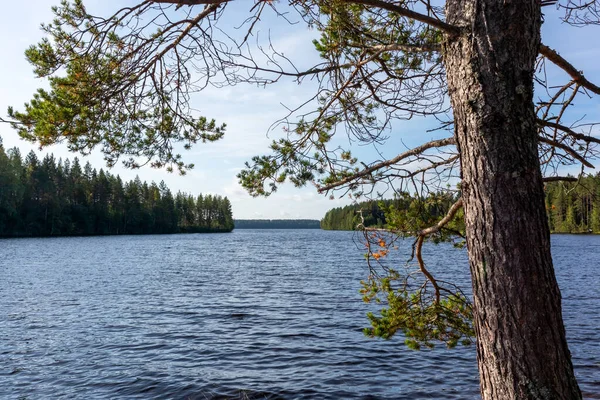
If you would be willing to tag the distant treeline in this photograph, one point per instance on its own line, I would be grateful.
(276, 224)
(57, 198)
(347, 218)
(571, 207)
(372, 213)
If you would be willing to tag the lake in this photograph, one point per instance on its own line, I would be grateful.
(255, 314)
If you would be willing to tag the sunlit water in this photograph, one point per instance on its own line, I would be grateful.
(253, 314)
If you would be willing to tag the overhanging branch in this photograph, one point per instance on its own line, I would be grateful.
(560, 62)
(569, 131)
(369, 170)
(405, 12)
(444, 221)
(191, 2)
(568, 150)
(428, 231)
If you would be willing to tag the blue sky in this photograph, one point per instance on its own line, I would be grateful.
(249, 111)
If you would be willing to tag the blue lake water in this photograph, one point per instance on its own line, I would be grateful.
(255, 314)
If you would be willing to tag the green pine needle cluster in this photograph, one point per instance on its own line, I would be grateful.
(422, 320)
(350, 35)
(112, 89)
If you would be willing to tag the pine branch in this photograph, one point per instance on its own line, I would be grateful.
(191, 2)
(444, 221)
(560, 62)
(569, 131)
(428, 231)
(405, 12)
(369, 170)
(568, 150)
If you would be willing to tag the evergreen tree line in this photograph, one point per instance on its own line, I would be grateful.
(347, 218)
(572, 207)
(56, 198)
(403, 210)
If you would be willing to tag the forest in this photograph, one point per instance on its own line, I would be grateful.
(347, 218)
(62, 198)
(572, 207)
(403, 212)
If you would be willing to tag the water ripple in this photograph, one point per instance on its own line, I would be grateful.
(248, 315)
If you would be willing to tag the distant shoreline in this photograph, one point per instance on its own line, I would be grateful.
(276, 224)
(200, 231)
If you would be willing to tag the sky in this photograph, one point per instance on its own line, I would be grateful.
(249, 111)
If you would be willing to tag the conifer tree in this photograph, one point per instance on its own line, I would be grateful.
(54, 199)
(120, 84)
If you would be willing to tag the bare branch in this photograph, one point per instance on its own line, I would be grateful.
(580, 12)
(568, 150)
(5, 121)
(428, 231)
(424, 270)
(560, 62)
(405, 12)
(569, 131)
(560, 179)
(444, 221)
(192, 2)
(369, 170)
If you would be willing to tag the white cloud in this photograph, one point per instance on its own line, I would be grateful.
(234, 191)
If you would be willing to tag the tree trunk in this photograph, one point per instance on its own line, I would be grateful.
(521, 347)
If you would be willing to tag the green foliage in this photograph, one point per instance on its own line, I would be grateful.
(110, 90)
(414, 213)
(574, 207)
(54, 198)
(410, 308)
(350, 35)
(421, 320)
(424, 312)
(405, 214)
(348, 218)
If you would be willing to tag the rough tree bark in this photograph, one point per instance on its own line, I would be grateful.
(521, 347)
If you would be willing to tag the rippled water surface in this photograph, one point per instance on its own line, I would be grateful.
(252, 314)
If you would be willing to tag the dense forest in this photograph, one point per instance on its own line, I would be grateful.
(276, 224)
(573, 207)
(55, 198)
(406, 210)
(347, 218)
